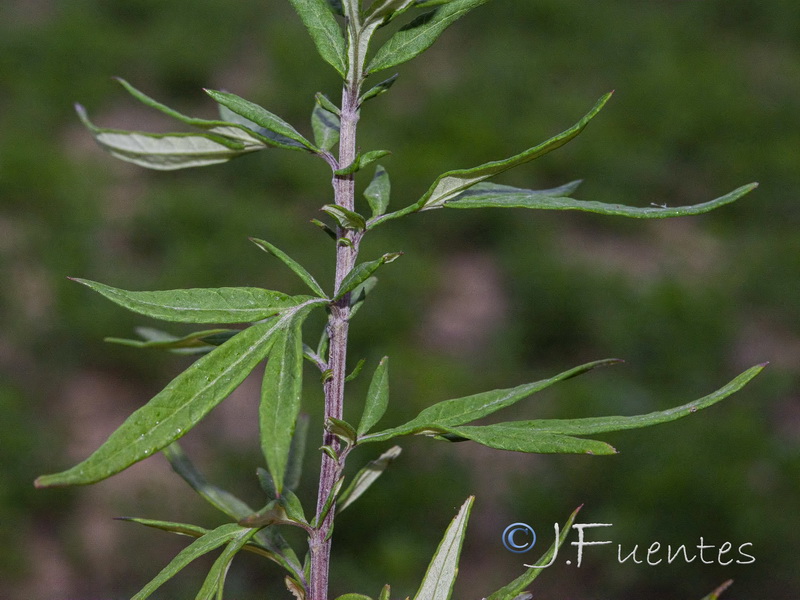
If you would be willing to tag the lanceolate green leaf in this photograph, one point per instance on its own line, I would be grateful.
(470, 408)
(197, 342)
(377, 397)
(378, 191)
(366, 477)
(326, 127)
(418, 35)
(451, 184)
(178, 407)
(210, 541)
(496, 196)
(362, 161)
(200, 305)
(443, 568)
(280, 400)
(287, 136)
(295, 266)
(505, 436)
(517, 587)
(361, 272)
(718, 592)
(167, 151)
(215, 580)
(324, 30)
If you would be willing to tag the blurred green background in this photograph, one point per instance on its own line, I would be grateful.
(707, 99)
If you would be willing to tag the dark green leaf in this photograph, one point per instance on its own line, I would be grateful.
(326, 127)
(378, 89)
(470, 408)
(297, 451)
(378, 192)
(285, 136)
(280, 400)
(443, 568)
(361, 272)
(168, 151)
(361, 161)
(366, 477)
(517, 587)
(180, 406)
(200, 305)
(494, 196)
(346, 219)
(341, 429)
(324, 30)
(199, 341)
(295, 266)
(356, 371)
(215, 580)
(377, 397)
(418, 35)
(508, 436)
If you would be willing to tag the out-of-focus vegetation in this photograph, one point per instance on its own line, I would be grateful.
(707, 100)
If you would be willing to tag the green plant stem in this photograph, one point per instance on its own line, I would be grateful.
(338, 324)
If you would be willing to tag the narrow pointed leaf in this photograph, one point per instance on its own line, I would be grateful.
(718, 592)
(280, 400)
(380, 88)
(470, 408)
(356, 371)
(377, 397)
(515, 588)
(508, 436)
(378, 192)
(366, 477)
(385, 592)
(490, 196)
(200, 305)
(199, 341)
(443, 568)
(362, 161)
(167, 151)
(178, 407)
(287, 136)
(595, 425)
(215, 580)
(361, 272)
(210, 541)
(327, 104)
(324, 30)
(326, 127)
(295, 266)
(418, 35)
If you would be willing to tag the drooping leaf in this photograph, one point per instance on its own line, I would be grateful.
(378, 89)
(179, 406)
(496, 196)
(361, 272)
(418, 35)
(451, 184)
(280, 400)
(167, 151)
(366, 477)
(377, 397)
(470, 408)
(200, 305)
(361, 161)
(345, 218)
(284, 134)
(504, 436)
(295, 266)
(443, 568)
(326, 127)
(378, 192)
(324, 30)
(718, 592)
(515, 588)
(197, 342)
(215, 580)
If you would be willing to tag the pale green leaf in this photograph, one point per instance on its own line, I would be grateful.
(326, 127)
(385, 592)
(377, 397)
(418, 35)
(324, 30)
(200, 305)
(168, 151)
(443, 568)
(361, 272)
(378, 192)
(718, 592)
(494, 196)
(203, 545)
(295, 266)
(515, 588)
(366, 477)
(285, 135)
(280, 400)
(470, 408)
(179, 406)
(215, 580)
